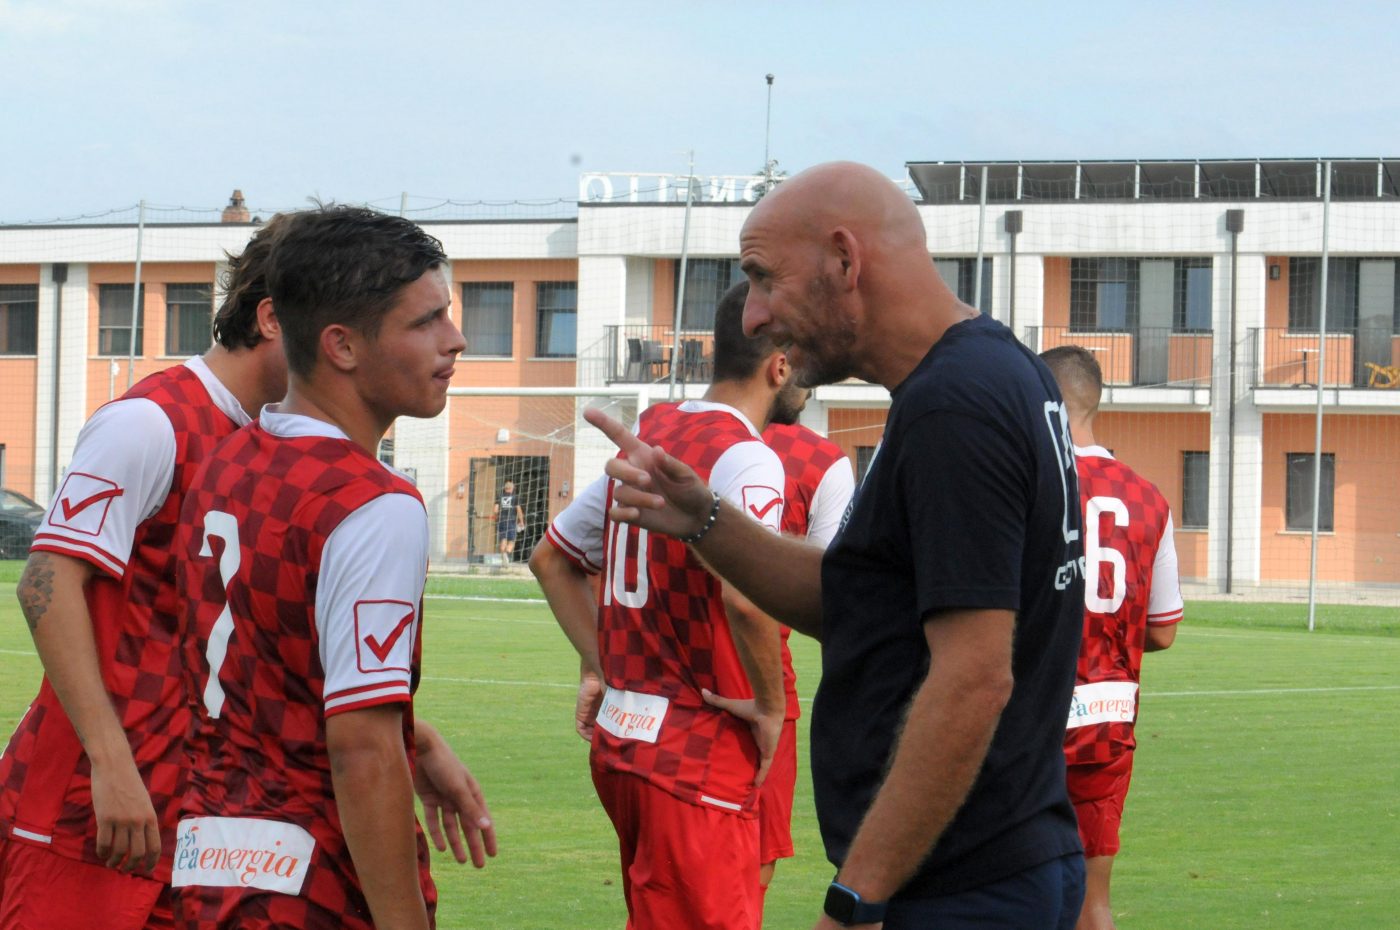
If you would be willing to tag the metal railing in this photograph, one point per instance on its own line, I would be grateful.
(1365, 358)
(1142, 357)
(643, 354)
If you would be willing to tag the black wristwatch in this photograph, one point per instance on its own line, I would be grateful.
(846, 906)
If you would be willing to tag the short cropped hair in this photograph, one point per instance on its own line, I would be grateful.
(1077, 373)
(737, 356)
(342, 265)
(245, 286)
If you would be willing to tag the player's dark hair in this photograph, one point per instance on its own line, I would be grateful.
(342, 265)
(737, 356)
(245, 286)
(1078, 374)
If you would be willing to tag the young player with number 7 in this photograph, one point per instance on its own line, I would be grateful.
(302, 566)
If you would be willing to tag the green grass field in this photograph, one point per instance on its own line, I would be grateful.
(1265, 794)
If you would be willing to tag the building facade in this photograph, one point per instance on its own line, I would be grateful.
(1198, 285)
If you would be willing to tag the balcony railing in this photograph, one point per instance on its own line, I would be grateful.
(1144, 357)
(1366, 357)
(641, 354)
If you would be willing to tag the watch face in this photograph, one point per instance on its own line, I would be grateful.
(840, 904)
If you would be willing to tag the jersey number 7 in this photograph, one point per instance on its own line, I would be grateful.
(220, 525)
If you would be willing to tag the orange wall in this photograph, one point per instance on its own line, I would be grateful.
(850, 427)
(1056, 272)
(18, 382)
(537, 426)
(1282, 352)
(663, 292)
(1364, 546)
(522, 369)
(154, 277)
(474, 422)
(1151, 444)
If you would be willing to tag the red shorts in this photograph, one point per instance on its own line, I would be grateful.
(1097, 792)
(684, 867)
(41, 890)
(775, 799)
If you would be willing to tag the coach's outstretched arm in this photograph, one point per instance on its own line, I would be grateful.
(782, 576)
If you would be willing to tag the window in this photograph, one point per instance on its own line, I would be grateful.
(1195, 489)
(114, 320)
(1300, 491)
(189, 318)
(556, 319)
(1103, 294)
(19, 319)
(706, 280)
(1191, 296)
(1305, 284)
(864, 456)
(488, 311)
(960, 274)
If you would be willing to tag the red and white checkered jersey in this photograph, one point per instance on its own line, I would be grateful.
(1130, 582)
(663, 632)
(302, 564)
(117, 507)
(820, 482)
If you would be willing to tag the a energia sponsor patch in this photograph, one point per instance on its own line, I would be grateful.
(241, 852)
(1103, 702)
(630, 715)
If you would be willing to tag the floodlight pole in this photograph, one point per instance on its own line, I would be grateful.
(679, 316)
(1321, 379)
(135, 298)
(767, 128)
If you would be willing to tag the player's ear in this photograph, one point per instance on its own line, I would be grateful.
(340, 345)
(268, 327)
(779, 371)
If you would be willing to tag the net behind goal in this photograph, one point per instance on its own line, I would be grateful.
(499, 463)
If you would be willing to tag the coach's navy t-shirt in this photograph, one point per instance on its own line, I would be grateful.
(970, 502)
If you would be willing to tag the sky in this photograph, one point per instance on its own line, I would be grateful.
(176, 102)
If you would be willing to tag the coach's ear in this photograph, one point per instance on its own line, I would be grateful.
(340, 345)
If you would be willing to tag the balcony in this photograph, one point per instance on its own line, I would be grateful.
(1149, 366)
(642, 354)
(1362, 366)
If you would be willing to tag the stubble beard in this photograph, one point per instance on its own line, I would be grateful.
(824, 354)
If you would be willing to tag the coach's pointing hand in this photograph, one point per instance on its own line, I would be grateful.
(655, 491)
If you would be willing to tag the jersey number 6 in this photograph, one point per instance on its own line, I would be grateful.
(1095, 553)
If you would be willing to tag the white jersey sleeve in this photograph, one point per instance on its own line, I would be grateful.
(373, 568)
(750, 476)
(1164, 604)
(120, 474)
(578, 530)
(829, 502)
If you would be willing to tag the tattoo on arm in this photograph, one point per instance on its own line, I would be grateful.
(35, 590)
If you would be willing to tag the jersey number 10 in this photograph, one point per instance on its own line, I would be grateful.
(627, 549)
